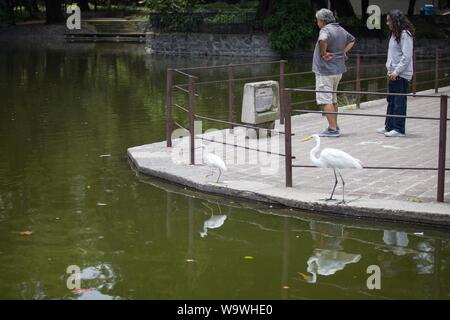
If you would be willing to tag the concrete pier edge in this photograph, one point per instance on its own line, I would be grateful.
(429, 213)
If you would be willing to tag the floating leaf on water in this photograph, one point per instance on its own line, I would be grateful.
(26, 233)
(304, 276)
(81, 290)
(248, 258)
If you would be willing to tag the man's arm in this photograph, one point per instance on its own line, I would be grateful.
(323, 50)
(347, 49)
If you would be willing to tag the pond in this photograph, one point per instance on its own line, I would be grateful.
(67, 118)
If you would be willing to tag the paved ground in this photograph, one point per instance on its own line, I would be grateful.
(385, 194)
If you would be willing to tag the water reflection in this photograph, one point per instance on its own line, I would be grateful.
(328, 255)
(214, 222)
(64, 110)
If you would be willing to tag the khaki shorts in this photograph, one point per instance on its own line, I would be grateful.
(327, 83)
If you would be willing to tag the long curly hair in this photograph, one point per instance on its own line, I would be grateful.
(399, 23)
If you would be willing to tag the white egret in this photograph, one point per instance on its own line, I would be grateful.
(334, 159)
(214, 222)
(214, 161)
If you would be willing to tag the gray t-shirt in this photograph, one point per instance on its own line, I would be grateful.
(337, 38)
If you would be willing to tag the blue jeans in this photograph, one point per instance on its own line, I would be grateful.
(396, 105)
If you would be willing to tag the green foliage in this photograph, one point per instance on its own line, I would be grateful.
(172, 6)
(291, 26)
(243, 5)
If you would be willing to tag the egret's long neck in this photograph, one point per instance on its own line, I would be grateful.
(314, 153)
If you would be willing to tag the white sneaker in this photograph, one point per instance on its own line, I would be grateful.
(382, 130)
(393, 133)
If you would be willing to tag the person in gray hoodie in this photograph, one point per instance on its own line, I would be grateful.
(399, 66)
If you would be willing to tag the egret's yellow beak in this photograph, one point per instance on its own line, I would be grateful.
(306, 138)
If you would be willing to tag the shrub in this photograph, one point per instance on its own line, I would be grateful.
(291, 26)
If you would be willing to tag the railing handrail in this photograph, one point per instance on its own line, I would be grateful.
(285, 106)
(231, 65)
(367, 92)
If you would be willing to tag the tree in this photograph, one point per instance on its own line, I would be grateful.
(364, 6)
(53, 11)
(291, 24)
(171, 6)
(412, 4)
(83, 4)
(265, 9)
(32, 7)
(319, 4)
(342, 8)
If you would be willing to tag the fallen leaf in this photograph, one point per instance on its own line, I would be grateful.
(304, 276)
(81, 290)
(26, 233)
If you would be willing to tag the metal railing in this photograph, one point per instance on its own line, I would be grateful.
(442, 132)
(286, 104)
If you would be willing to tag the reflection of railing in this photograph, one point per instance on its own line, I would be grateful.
(285, 108)
(215, 22)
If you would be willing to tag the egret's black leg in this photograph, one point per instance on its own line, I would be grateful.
(343, 188)
(334, 188)
(220, 173)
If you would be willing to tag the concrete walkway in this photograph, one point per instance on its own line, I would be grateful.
(400, 195)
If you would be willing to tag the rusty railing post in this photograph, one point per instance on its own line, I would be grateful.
(287, 139)
(414, 79)
(358, 80)
(191, 118)
(231, 97)
(282, 92)
(436, 72)
(169, 108)
(442, 148)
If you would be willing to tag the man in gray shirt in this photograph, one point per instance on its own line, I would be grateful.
(329, 59)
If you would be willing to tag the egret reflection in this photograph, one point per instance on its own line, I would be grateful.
(328, 256)
(214, 222)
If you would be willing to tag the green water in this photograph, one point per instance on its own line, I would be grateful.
(67, 118)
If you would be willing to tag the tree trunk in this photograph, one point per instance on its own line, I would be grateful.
(412, 4)
(83, 4)
(342, 8)
(7, 7)
(265, 8)
(364, 15)
(319, 4)
(53, 11)
(32, 8)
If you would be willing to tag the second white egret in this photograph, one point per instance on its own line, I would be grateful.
(213, 160)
